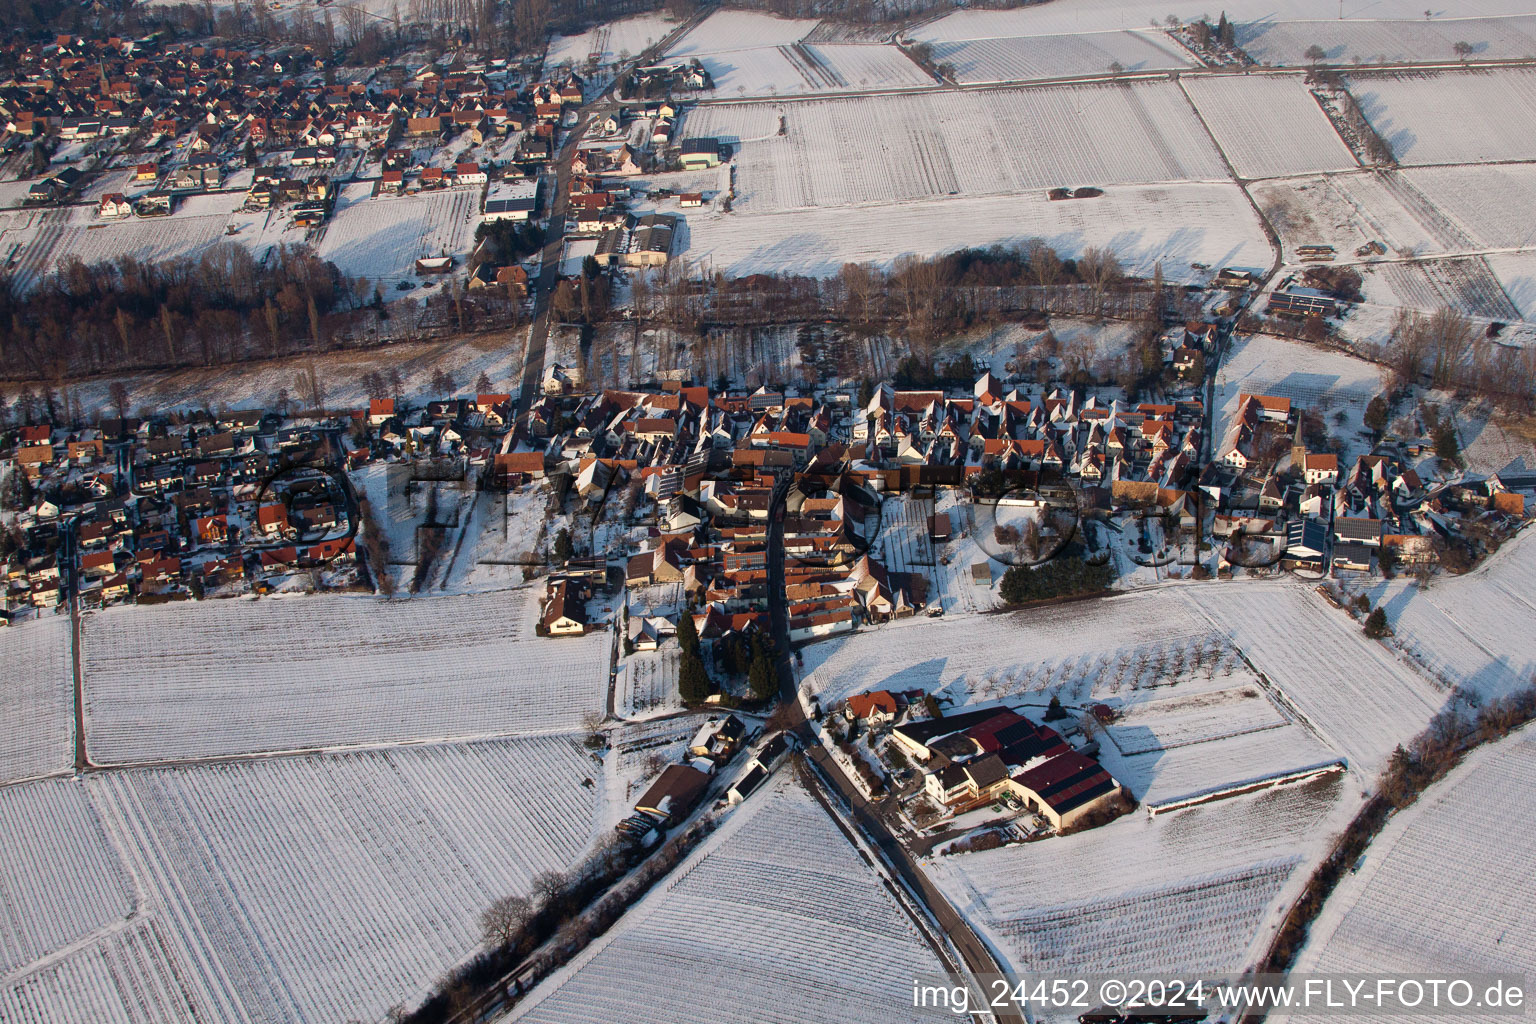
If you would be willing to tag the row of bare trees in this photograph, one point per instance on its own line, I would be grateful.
(1446, 350)
(126, 313)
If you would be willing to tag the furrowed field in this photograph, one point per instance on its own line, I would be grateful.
(981, 142)
(813, 935)
(36, 699)
(289, 889)
(218, 678)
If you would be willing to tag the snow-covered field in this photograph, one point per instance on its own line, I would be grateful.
(1192, 890)
(775, 917)
(1479, 200)
(1287, 42)
(229, 677)
(1112, 15)
(612, 41)
(1318, 379)
(1351, 691)
(797, 68)
(1269, 125)
(1455, 117)
(1516, 274)
(740, 30)
(258, 384)
(1176, 225)
(1345, 211)
(1470, 631)
(1441, 889)
(77, 232)
(60, 879)
(1022, 58)
(327, 888)
(37, 686)
(1468, 285)
(977, 142)
(980, 657)
(381, 238)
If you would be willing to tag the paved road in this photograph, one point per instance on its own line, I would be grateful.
(867, 816)
(1134, 76)
(559, 203)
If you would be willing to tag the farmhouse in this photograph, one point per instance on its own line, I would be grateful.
(673, 794)
(1068, 788)
(650, 242)
(564, 613)
(700, 153)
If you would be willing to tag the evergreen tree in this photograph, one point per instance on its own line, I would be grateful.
(693, 683)
(761, 676)
(1376, 412)
(1054, 710)
(687, 634)
(564, 549)
(1376, 624)
(1062, 577)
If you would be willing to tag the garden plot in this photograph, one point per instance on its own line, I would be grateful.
(976, 142)
(37, 726)
(612, 41)
(1322, 381)
(60, 879)
(647, 684)
(135, 974)
(904, 544)
(1479, 199)
(740, 30)
(381, 238)
(1194, 890)
(1351, 691)
(1269, 125)
(1436, 894)
(813, 934)
(1287, 42)
(1175, 225)
(798, 68)
(1023, 58)
(1453, 118)
(953, 586)
(331, 887)
(229, 677)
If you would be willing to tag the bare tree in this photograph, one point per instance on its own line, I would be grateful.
(549, 887)
(504, 919)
